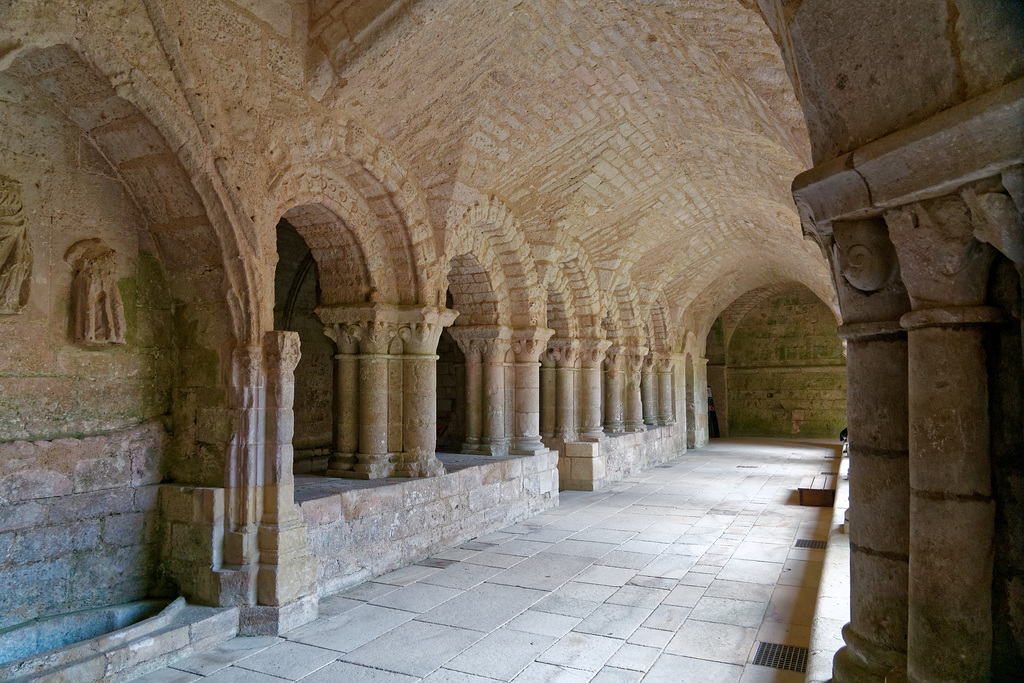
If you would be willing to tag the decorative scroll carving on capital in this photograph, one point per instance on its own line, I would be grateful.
(282, 350)
(15, 250)
(866, 271)
(494, 350)
(420, 339)
(866, 257)
(940, 260)
(97, 308)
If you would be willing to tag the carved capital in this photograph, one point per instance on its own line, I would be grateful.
(941, 261)
(997, 221)
(565, 352)
(592, 352)
(613, 361)
(345, 337)
(281, 350)
(865, 270)
(421, 338)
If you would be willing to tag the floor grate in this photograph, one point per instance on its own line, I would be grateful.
(747, 467)
(807, 543)
(786, 657)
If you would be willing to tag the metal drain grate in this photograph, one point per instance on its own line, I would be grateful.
(436, 563)
(808, 543)
(785, 657)
(746, 467)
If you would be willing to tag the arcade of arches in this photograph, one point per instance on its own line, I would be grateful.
(254, 253)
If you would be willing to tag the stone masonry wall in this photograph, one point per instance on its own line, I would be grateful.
(50, 387)
(363, 533)
(786, 370)
(78, 521)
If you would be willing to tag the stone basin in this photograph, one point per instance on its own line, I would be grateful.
(111, 643)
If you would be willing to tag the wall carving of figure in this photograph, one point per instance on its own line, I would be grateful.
(15, 251)
(97, 309)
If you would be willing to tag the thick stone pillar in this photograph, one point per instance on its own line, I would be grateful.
(592, 352)
(565, 353)
(649, 392)
(952, 513)
(286, 580)
(548, 395)
(419, 385)
(527, 345)
(632, 369)
(666, 395)
(346, 400)
(613, 421)
(872, 299)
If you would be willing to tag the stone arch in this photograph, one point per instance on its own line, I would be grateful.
(627, 303)
(364, 184)
(561, 307)
(659, 336)
(581, 277)
(353, 257)
(501, 230)
(189, 229)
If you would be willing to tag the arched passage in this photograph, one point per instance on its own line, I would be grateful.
(296, 296)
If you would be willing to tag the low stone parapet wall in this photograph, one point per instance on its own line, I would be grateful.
(361, 529)
(592, 465)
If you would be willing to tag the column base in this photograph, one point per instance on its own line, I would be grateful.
(591, 435)
(863, 662)
(272, 620)
(615, 429)
(370, 467)
(415, 465)
(636, 427)
(340, 463)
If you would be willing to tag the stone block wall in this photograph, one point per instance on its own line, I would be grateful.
(78, 522)
(785, 372)
(51, 387)
(362, 533)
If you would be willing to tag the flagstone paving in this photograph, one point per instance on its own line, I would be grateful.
(671, 575)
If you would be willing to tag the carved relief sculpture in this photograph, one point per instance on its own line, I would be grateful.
(15, 251)
(97, 309)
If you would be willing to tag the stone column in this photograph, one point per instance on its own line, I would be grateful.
(373, 460)
(548, 394)
(419, 428)
(592, 352)
(666, 397)
(945, 269)
(566, 354)
(633, 367)
(527, 345)
(286, 579)
(613, 422)
(494, 440)
(473, 351)
(649, 392)
(346, 400)
(872, 299)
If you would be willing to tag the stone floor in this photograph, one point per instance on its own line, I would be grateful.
(671, 575)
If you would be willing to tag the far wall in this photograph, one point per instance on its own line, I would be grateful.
(780, 370)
